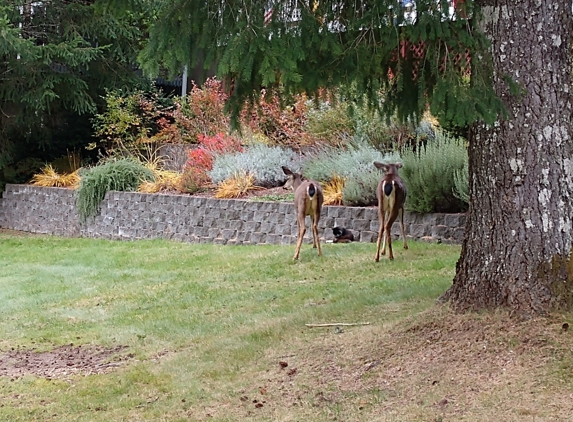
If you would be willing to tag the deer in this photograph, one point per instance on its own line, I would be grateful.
(308, 200)
(391, 193)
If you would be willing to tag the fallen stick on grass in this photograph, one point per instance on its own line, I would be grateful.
(339, 324)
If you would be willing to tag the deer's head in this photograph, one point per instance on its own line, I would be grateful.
(294, 179)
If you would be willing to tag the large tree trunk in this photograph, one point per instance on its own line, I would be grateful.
(517, 250)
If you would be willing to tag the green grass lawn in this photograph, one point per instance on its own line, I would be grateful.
(192, 316)
(218, 333)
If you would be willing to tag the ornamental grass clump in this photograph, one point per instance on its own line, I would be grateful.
(333, 191)
(237, 186)
(165, 180)
(48, 177)
(430, 175)
(118, 175)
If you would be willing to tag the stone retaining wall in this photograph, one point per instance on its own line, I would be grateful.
(131, 215)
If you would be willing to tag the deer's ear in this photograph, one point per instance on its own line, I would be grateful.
(380, 166)
(399, 165)
(287, 171)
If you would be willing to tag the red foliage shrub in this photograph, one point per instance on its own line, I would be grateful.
(203, 111)
(201, 159)
(193, 180)
(284, 126)
(220, 143)
(200, 113)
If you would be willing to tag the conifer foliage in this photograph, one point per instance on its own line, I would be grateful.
(370, 47)
(55, 58)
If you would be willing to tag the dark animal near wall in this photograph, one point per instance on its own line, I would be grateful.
(342, 235)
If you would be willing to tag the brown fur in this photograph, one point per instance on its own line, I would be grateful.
(391, 193)
(304, 205)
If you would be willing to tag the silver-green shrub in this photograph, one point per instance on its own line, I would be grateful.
(263, 161)
(117, 175)
(355, 164)
(347, 163)
(429, 173)
(360, 190)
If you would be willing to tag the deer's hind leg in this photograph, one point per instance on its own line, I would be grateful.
(388, 236)
(380, 234)
(402, 227)
(301, 232)
(315, 238)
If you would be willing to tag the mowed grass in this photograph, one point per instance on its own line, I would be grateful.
(207, 326)
(192, 315)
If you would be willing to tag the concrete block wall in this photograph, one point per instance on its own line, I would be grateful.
(132, 215)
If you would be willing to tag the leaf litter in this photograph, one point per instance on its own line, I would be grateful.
(437, 365)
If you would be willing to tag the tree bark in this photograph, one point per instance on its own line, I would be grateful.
(517, 249)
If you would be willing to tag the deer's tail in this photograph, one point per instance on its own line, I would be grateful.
(311, 190)
(388, 188)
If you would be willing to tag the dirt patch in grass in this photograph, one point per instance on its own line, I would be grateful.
(62, 361)
(436, 366)
(19, 233)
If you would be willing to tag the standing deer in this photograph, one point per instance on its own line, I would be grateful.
(308, 199)
(391, 193)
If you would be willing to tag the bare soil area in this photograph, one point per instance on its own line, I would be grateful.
(62, 361)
